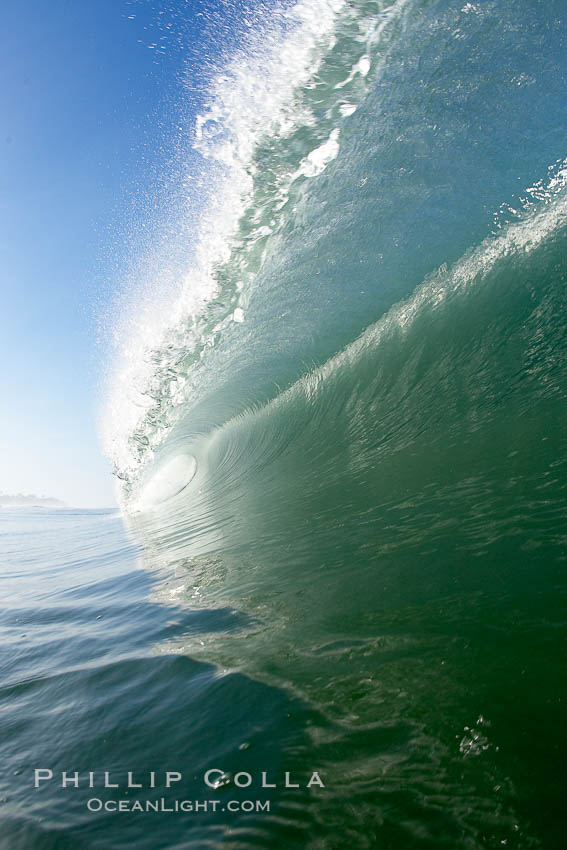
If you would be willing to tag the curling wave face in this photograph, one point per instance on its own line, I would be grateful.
(336, 162)
(272, 122)
(358, 417)
(390, 527)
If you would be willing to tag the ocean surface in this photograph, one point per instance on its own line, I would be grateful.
(341, 446)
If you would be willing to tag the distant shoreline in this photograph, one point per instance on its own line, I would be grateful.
(21, 500)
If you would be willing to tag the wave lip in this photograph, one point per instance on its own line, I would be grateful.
(272, 121)
(252, 98)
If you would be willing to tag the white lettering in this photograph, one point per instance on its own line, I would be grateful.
(41, 776)
(209, 773)
(265, 783)
(131, 783)
(315, 780)
(172, 776)
(66, 780)
(289, 783)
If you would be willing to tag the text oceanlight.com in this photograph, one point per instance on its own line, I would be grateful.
(95, 804)
(136, 782)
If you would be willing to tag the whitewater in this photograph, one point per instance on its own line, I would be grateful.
(265, 130)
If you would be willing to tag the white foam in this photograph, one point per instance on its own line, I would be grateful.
(253, 97)
(317, 160)
(362, 67)
(347, 109)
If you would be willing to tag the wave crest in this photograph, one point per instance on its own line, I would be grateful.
(271, 121)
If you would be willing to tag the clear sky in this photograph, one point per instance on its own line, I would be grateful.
(89, 95)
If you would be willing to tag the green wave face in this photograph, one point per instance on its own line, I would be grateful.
(371, 405)
(392, 526)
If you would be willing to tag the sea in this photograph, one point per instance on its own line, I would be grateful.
(330, 610)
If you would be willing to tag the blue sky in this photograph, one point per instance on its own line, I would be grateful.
(90, 94)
